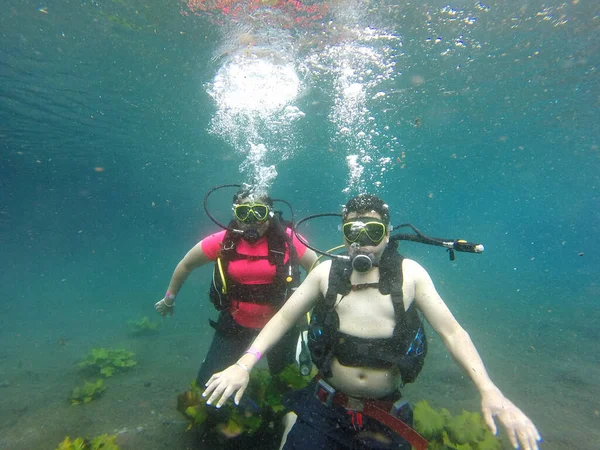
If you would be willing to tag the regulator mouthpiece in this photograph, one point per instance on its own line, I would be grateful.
(362, 263)
(251, 235)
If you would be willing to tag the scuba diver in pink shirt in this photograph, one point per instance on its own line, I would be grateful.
(257, 259)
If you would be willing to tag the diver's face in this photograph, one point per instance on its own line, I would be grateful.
(252, 221)
(362, 232)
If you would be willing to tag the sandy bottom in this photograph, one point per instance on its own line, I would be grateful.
(558, 389)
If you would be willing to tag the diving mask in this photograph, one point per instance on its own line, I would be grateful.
(251, 212)
(365, 231)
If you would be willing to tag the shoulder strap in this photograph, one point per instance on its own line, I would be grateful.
(230, 238)
(276, 244)
(408, 323)
(323, 347)
(228, 245)
(391, 280)
(338, 281)
(280, 242)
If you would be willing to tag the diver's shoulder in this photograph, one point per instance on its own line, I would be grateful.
(410, 266)
(323, 268)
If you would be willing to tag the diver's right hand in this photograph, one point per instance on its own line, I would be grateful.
(222, 385)
(164, 308)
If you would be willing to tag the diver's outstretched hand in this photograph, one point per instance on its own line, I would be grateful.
(521, 430)
(163, 308)
(223, 384)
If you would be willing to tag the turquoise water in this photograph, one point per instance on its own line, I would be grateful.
(471, 120)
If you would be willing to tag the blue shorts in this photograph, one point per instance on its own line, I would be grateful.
(331, 427)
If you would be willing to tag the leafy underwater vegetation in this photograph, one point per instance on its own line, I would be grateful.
(444, 431)
(108, 361)
(259, 409)
(87, 392)
(102, 442)
(142, 326)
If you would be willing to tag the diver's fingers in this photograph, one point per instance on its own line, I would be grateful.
(538, 436)
(218, 389)
(239, 394)
(512, 437)
(523, 440)
(526, 441)
(531, 438)
(162, 309)
(228, 391)
(489, 420)
(533, 445)
(211, 385)
(526, 433)
(212, 379)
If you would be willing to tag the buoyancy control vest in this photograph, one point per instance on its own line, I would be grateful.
(287, 273)
(405, 349)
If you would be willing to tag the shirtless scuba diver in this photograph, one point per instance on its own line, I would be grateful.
(366, 346)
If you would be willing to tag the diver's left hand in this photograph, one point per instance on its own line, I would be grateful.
(521, 430)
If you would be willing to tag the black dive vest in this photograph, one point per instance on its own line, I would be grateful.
(407, 347)
(287, 275)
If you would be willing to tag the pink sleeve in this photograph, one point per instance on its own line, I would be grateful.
(212, 244)
(300, 247)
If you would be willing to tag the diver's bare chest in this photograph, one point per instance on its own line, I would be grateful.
(366, 311)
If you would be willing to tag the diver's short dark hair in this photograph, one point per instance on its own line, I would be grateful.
(365, 203)
(255, 197)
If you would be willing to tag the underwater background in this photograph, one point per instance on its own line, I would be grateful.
(471, 120)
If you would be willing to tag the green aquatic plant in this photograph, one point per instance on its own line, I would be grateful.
(268, 391)
(142, 326)
(489, 442)
(429, 422)
(68, 444)
(291, 378)
(466, 428)
(108, 361)
(259, 409)
(444, 431)
(230, 421)
(87, 392)
(192, 405)
(102, 442)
